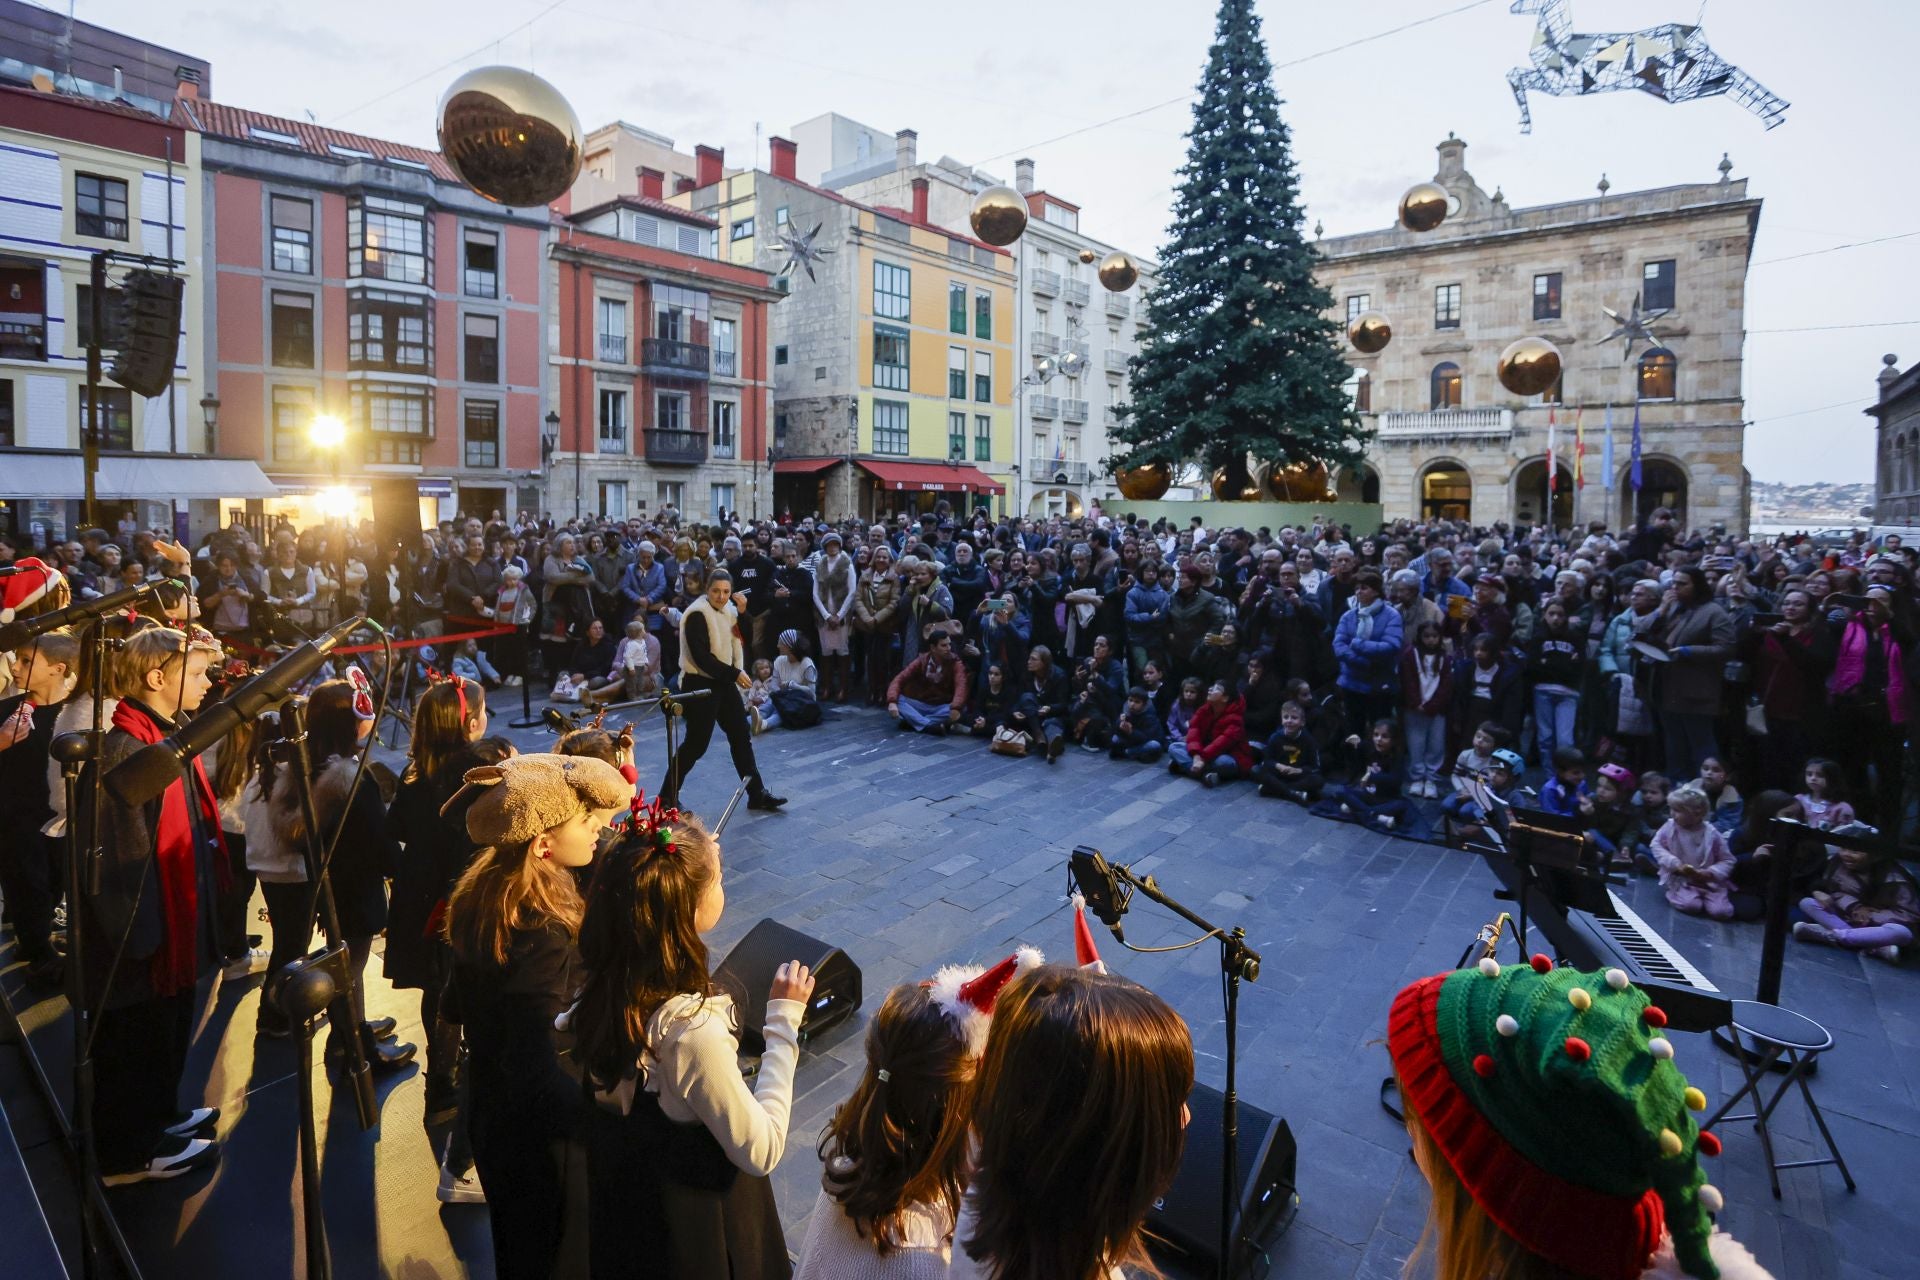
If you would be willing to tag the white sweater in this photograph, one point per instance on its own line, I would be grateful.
(833, 1250)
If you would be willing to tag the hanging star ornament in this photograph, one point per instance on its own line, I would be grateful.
(800, 250)
(1635, 326)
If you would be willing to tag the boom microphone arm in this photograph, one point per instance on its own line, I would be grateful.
(21, 630)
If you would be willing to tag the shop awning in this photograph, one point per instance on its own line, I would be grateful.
(42, 475)
(158, 477)
(804, 466)
(934, 477)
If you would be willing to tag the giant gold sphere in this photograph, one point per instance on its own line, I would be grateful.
(1370, 332)
(999, 215)
(1529, 366)
(1238, 483)
(1087, 256)
(1117, 272)
(1300, 482)
(510, 136)
(1147, 482)
(1424, 207)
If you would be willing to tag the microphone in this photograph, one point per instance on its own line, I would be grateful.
(20, 630)
(558, 720)
(157, 766)
(1099, 886)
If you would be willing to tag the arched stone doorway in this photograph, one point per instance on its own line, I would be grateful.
(1056, 502)
(1357, 484)
(1531, 498)
(1444, 491)
(1663, 483)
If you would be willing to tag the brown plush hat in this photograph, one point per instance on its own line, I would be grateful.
(517, 799)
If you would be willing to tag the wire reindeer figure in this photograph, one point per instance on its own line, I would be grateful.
(1672, 62)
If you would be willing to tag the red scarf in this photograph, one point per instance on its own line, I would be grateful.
(174, 967)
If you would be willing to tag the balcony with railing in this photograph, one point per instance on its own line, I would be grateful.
(1046, 282)
(1441, 423)
(1073, 410)
(1110, 414)
(22, 336)
(616, 443)
(1116, 360)
(1075, 293)
(1055, 471)
(1119, 306)
(612, 348)
(683, 448)
(1044, 406)
(1043, 344)
(666, 358)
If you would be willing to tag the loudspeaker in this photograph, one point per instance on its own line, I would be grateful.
(1187, 1218)
(748, 971)
(147, 317)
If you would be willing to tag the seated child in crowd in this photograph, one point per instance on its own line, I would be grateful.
(1564, 791)
(759, 696)
(1823, 804)
(471, 663)
(1217, 746)
(992, 702)
(1139, 734)
(1864, 902)
(1695, 861)
(1180, 719)
(1725, 806)
(1613, 824)
(1373, 798)
(1291, 767)
(637, 661)
(1652, 803)
(1465, 818)
(1161, 693)
(1473, 763)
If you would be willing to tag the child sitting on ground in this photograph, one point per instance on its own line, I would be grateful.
(1291, 767)
(992, 702)
(759, 695)
(1695, 861)
(1466, 819)
(471, 663)
(1613, 824)
(637, 661)
(1822, 805)
(1725, 806)
(1217, 738)
(1474, 762)
(1864, 902)
(1567, 787)
(1138, 734)
(1652, 803)
(1180, 719)
(1373, 798)
(1153, 678)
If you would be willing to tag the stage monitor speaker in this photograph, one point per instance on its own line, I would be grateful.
(1187, 1218)
(748, 971)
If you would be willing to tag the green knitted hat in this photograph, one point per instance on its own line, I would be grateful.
(1553, 1095)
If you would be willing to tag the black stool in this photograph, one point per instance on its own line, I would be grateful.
(1778, 1034)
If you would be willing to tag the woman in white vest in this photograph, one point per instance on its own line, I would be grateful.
(713, 659)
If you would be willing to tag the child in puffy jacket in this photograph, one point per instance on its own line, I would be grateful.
(1217, 743)
(1695, 861)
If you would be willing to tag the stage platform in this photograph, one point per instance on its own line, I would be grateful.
(909, 852)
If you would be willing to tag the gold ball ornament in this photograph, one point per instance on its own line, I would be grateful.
(1370, 332)
(1238, 483)
(1299, 482)
(1424, 207)
(999, 215)
(1117, 272)
(1147, 482)
(510, 136)
(1087, 256)
(1529, 366)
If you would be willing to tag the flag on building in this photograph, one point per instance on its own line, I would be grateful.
(1553, 472)
(1636, 446)
(1580, 448)
(1606, 450)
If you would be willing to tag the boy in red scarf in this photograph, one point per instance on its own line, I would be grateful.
(160, 869)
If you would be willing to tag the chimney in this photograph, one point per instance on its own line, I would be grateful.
(682, 185)
(188, 85)
(781, 154)
(920, 189)
(711, 161)
(652, 183)
(1453, 160)
(1023, 177)
(905, 148)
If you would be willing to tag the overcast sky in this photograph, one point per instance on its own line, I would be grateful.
(994, 79)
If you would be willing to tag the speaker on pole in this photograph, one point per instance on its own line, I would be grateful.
(1187, 1218)
(748, 971)
(146, 320)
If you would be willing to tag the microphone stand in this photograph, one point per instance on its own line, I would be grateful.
(527, 719)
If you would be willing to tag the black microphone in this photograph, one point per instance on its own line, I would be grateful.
(558, 720)
(155, 767)
(1099, 887)
(20, 630)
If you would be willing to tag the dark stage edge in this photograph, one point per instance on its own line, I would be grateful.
(910, 852)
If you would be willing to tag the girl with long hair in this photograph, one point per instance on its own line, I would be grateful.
(681, 1148)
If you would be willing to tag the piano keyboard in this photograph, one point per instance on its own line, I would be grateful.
(1654, 954)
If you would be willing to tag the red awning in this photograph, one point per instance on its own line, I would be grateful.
(804, 466)
(934, 477)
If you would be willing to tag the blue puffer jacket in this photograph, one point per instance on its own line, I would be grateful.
(1371, 665)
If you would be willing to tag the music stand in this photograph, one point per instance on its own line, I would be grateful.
(1551, 855)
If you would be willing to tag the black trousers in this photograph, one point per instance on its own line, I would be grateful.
(139, 1056)
(722, 707)
(235, 899)
(292, 926)
(30, 874)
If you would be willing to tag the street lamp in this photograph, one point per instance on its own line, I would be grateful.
(329, 433)
(549, 437)
(210, 414)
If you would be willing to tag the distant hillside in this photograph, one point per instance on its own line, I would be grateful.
(1809, 505)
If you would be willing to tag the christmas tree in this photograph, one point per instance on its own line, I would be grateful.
(1239, 356)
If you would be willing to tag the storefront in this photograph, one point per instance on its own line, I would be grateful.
(894, 488)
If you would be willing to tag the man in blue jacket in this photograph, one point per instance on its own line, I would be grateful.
(1367, 643)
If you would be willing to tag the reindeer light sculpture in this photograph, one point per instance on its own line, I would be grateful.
(1672, 62)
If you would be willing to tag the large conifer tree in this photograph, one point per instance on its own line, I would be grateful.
(1238, 357)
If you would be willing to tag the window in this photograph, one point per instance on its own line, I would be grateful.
(482, 433)
(1042, 445)
(889, 426)
(724, 443)
(892, 289)
(983, 376)
(670, 493)
(1446, 386)
(111, 330)
(679, 315)
(1359, 389)
(780, 217)
(1656, 285)
(1446, 306)
(742, 230)
(481, 337)
(387, 240)
(612, 339)
(1658, 374)
(480, 264)
(99, 206)
(398, 421)
(292, 414)
(780, 354)
(390, 331)
(1555, 394)
(292, 330)
(890, 357)
(613, 498)
(722, 499)
(116, 417)
(956, 373)
(264, 134)
(1357, 303)
(957, 435)
(982, 438)
(6, 412)
(726, 361)
(613, 421)
(292, 225)
(957, 308)
(779, 430)
(983, 315)
(672, 411)
(1546, 296)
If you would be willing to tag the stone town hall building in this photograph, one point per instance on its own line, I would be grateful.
(1449, 440)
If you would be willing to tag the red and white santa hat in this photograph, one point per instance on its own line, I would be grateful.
(1085, 954)
(966, 994)
(26, 587)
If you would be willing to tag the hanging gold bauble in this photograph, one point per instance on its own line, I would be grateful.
(1370, 332)
(1424, 207)
(1238, 483)
(1117, 272)
(1300, 482)
(1147, 482)
(510, 136)
(1529, 366)
(1087, 256)
(999, 215)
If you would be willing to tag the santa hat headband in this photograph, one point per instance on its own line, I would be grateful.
(24, 588)
(1085, 954)
(966, 994)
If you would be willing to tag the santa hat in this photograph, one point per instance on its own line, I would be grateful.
(26, 587)
(966, 994)
(1085, 954)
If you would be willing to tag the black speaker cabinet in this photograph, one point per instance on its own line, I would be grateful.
(748, 971)
(1187, 1218)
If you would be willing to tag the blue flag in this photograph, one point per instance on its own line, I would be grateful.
(1606, 450)
(1636, 446)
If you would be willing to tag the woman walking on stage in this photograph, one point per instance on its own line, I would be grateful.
(713, 660)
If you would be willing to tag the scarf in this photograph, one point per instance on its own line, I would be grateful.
(174, 965)
(1363, 620)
